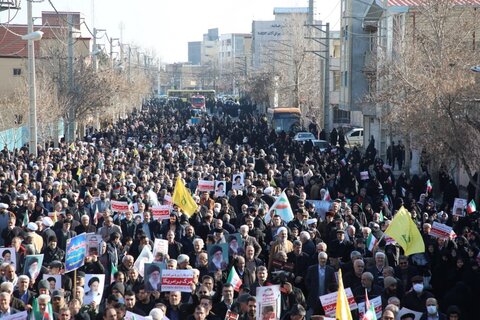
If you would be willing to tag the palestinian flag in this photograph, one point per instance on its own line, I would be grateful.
(429, 186)
(234, 279)
(371, 242)
(471, 207)
(369, 309)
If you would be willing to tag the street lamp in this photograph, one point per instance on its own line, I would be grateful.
(30, 37)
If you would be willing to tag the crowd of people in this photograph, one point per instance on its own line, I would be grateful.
(66, 191)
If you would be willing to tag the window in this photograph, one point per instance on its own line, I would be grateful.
(340, 116)
(336, 50)
(345, 78)
(355, 134)
(337, 80)
(17, 71)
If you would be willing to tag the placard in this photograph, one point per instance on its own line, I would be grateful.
(329, 302)
(76, 252)
(206, 185)
(33, 265)
(440, 230)
(161, 212)
(268, 302)
(238, 181)
(220, 188)
(133, 316)
(94, 285)
(93, 244)
(54, 281)
(459, 206)
(160, 246)
(23, 315)
(120, 206)
(217, 256)
(177, 280)
(153, 276)
(404, 311)
(8, 255)
(364, 175)
(145, 256)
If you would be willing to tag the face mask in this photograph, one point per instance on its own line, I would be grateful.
(418, 287)
(432, 309)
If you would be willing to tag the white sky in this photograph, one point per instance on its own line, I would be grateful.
(165, 26)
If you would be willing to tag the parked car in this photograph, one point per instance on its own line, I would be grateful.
(321, 144)
(304, 136)
(354, 137)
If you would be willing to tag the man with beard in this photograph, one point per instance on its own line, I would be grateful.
(153, 283)
(217, 263)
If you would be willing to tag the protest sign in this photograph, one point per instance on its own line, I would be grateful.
(404, 311)
(54, 281)
(76, 252)
(377, 303)
(268, 302)
(33, 265)
(161, 212)
(238, 181)
(16, 316)
(94, 285)
(230, 315)
(119, 206)
(459, 206)
(329, 302)
(440, 230)
(364, 175)
(160, 246)
(206, 185)
(133, 316)
(93, 244)
(220, 188)
(177, 280)
(8, 255)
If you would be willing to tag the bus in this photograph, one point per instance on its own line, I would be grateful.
(198, 102)
(186, 95)
(284, 119)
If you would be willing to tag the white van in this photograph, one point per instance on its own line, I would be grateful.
(354, 137)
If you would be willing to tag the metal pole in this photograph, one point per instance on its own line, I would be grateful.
(158, 78)
(326, 85)
(32, 144)
(94, 49)
(71, 110)
(129, 57)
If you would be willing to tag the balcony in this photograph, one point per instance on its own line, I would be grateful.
(370, 26)
(370, 62)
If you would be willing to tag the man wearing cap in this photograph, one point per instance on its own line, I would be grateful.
(58, 301)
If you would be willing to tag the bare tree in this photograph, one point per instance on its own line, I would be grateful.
(425, 88)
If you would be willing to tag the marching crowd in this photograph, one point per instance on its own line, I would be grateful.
(67, 191)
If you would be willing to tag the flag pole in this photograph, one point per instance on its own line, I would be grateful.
(75, 283)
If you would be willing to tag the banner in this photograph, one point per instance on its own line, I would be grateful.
(120, 206)
(230, 315)
(206, 185)
(93, 244)
(161, 212)
(321, 207)
(238, 181)
(440, 230)
(76, 252)
(459, 206)
(33, 265)
(329, 302)
(268, 302)
(364, 175)
(220, 187)
(377, 302)
(177, 280)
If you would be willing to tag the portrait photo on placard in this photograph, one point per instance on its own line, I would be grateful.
(220, 188)
(8, 255)
(153, 279)
(33, 265)
(217, 256)
(94, 285)
(238, 181)
(54, 281)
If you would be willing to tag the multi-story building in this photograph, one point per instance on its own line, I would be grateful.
(194, 52)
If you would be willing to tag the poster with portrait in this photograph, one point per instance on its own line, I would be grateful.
(235, 245)
(94, 285)
(220, 187)
(33, 265)
(217, 256)
(8, 255)
(93, 244)
(153, 276)
(146, 256)
(268, 303)
(54, 281)
(459, 206)
(138, 218)
(160, 246)
(238, 181)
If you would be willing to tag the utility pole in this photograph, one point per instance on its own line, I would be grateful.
(32, 144)
(71, 111)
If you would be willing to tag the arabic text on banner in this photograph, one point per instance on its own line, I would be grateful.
(119, 206)
(268, 302)
(329, 302)
(161, 212)
(75, 253)
(177, 280)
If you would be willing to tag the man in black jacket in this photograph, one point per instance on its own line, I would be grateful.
(319, 281)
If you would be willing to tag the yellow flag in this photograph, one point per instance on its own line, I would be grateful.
(273, 183)
(403, 230)
(342, 311)
(72, 146)
(219, 141)
(182, 198)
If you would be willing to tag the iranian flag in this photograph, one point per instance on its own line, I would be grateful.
(234, 279)
(471, 207)
(429, 186)
(371, 242)
(369, 309)
(114, 270)
(326, 196)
